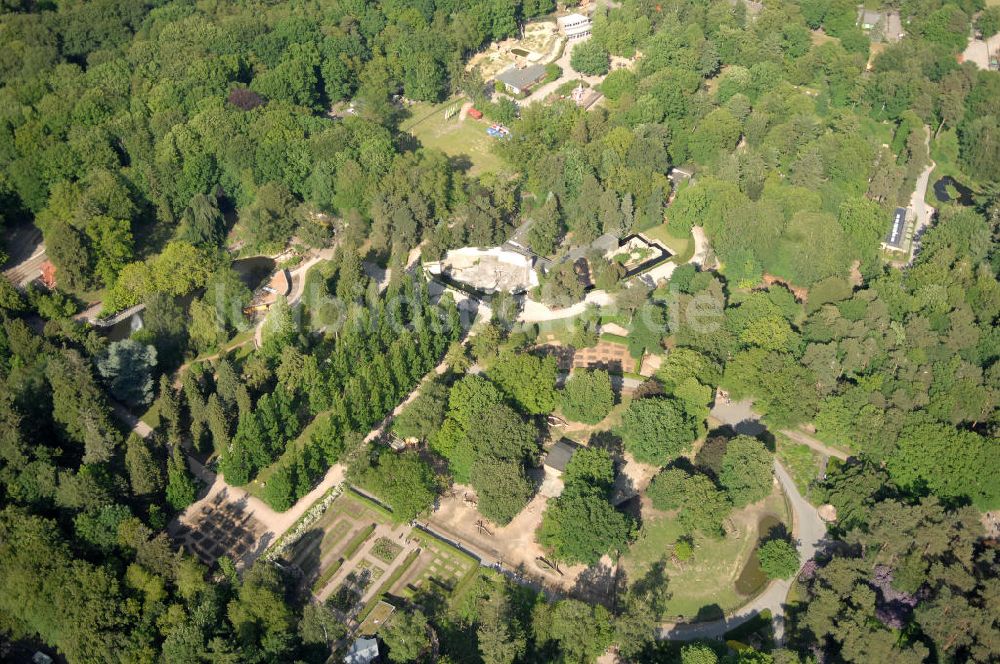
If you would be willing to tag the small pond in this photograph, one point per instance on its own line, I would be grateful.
(752, 578)
(520, 52)
(255, 270)
(947, 189)
(125, 328)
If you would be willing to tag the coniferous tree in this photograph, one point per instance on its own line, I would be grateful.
(144, 471)
(181, 487)
(218, 422)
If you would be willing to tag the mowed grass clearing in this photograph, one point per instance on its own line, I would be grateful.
(802, 462)
(706, 583)
(682, 248)
(455, 137)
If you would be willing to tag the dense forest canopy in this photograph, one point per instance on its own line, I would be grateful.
(152, 142)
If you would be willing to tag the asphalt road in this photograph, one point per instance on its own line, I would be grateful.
(808, 530)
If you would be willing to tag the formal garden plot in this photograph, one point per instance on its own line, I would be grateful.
(222, 528)
(334, 539)
(439, 567)
(348, 594)
(364, 557)
(385, 549)
(373, 571)
(324, 541)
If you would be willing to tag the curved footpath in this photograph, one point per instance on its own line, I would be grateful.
(808, 530)
(538, 312)
(298, 278)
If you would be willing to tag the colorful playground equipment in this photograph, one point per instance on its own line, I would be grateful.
(498, 131)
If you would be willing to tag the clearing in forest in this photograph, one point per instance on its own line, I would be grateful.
(458, 137)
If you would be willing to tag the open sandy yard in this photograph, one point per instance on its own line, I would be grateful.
(539, 38)
(513, 546)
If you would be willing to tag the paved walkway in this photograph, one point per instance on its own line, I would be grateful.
(808, 530)
(535, 312)
(918, 201)
(298, 276)
(700, 246)
(541, 93)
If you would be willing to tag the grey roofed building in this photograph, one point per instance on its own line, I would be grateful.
(363, 651)
(894, 240)
(558, 457)
(518, 80)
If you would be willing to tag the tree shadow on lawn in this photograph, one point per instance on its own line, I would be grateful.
(600, 584)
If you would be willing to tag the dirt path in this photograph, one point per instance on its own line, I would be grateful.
(274, 523)
(802, 437)
(207, 358)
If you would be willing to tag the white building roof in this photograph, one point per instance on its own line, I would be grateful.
(572, 20)
(362, 651)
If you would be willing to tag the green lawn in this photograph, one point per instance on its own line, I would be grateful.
(152, 416)
(238, 341)
(682, 248)
(708, 578)
(454, 137)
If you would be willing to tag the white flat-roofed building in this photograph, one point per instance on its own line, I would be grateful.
(574, 26)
